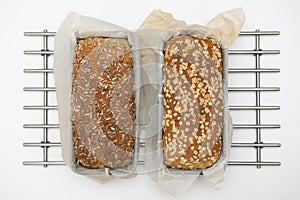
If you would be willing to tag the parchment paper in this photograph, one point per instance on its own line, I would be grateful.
(157, 29)
(76, 26)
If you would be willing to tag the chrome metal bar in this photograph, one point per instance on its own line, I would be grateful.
(253, 52)
(142, 144)
(256, 145)
(38, 52)
(248, 33)
(249, 163)
(257, 85)
(50, 52)
(141, 162)
(242, 33)
(44, 163)
(38, 70)
(39, 89)
(45, 97)
(39, 33)
(49, 144)
(256, 126)
(41, 125)
(247, 89)
(40, 107)
(254, 107)
(251, 70)
(240, 163)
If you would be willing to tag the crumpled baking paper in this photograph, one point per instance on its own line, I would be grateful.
(76, 26)
(157, 29)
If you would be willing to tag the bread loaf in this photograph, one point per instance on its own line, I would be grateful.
(103, 106)
(193, 102)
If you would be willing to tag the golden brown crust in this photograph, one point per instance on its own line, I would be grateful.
(103, 107)
(193, 102)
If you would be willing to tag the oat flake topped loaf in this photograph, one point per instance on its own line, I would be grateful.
(193, 102)
(103, 107)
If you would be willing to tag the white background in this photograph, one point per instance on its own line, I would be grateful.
(21, 182)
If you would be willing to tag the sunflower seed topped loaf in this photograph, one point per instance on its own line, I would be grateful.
(103, 106)
(193, 102)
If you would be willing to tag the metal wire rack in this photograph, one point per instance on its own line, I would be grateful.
(258, 107)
